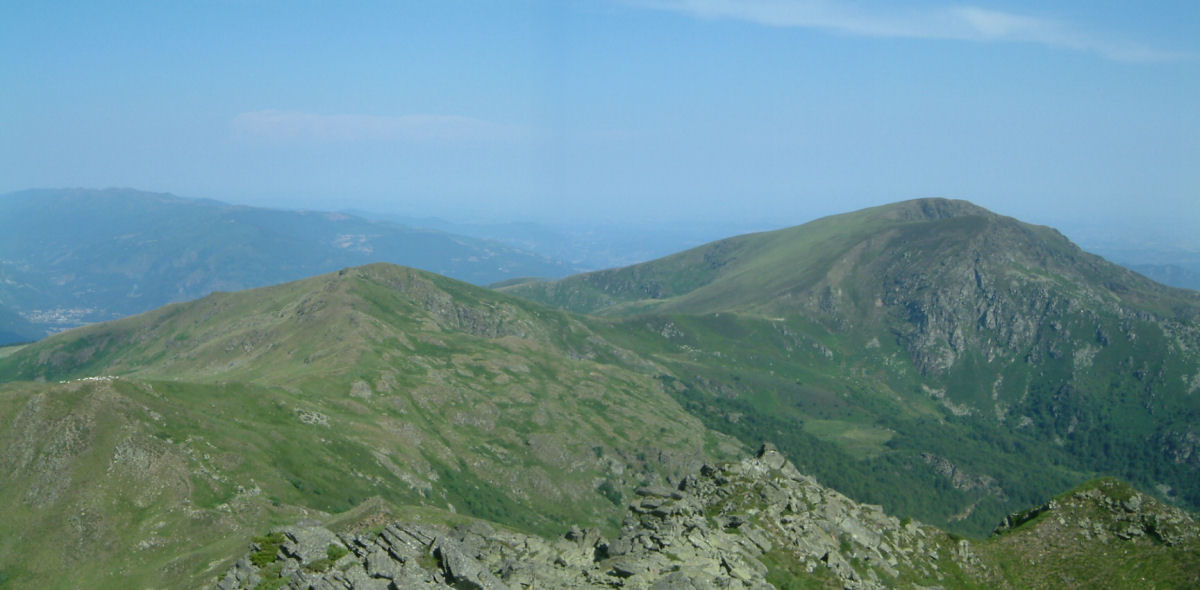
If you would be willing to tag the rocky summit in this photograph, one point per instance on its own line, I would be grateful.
(754, 524)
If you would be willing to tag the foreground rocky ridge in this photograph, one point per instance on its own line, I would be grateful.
(755, 524)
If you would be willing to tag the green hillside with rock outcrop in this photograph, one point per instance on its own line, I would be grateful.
(134, 451)
(974, 361)
(931, 361)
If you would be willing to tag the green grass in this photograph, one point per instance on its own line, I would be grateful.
(1047, 548)
(495, 405)
(740, 328)
(859, 441)
(268, 549)
(6, 351)
(518, 393)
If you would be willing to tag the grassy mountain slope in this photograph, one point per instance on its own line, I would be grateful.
(974, 361)
(312, 398)
(1102, 534)
(921, 241)
(73, 256)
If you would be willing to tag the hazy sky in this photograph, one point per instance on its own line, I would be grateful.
(762, 110)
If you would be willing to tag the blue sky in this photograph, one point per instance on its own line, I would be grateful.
(770, 111)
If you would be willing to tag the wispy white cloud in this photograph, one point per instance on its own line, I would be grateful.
(295, 126)
(955, 22)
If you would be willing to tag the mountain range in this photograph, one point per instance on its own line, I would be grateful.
(894, 346)
(74, 256)
(945, 363)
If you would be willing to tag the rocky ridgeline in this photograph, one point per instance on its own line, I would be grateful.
(728, 527)
(756, 524)
(1108, 510)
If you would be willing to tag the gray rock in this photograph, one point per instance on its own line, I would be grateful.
(618, 547)
(659, 491)
(770, 456)
(308, 543)
(465, 572)
(625, 568)
(380, 564)
(681, 581)
(711, 532)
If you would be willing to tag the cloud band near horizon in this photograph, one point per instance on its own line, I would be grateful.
(948, 22)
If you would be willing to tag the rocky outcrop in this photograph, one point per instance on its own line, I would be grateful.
(1108, 509)
(959, 478)
(751, 525)
(725, 527)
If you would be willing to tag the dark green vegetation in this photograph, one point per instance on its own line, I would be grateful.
(373, 386)
(930, 356)
(69, 257)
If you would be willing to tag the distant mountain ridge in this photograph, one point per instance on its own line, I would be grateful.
(14, 328)
(720, 276)
(1170, 274)
(73, 256)
(891, 331)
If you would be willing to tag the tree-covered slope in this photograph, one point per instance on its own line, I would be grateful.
(133, 450)
(974, 361)
(73, 256)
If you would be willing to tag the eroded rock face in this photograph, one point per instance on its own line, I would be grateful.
(745, 525)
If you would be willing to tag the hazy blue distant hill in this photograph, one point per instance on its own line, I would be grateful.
(1168, 260)
(1170, 274)
(1174, 267)
(591, 245)
(74, 256)
(14, 328)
